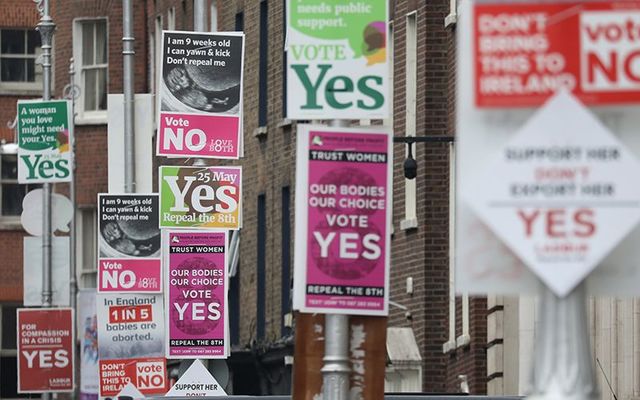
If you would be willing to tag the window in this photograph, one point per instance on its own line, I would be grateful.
(171, 19)
(156, 60)
(239, 24)
(264, 64)
(285, 250)
(19, 49)
(262, 266)
(464, 339)
(86, 248)
(12, 193)
(410, 217)
(90, 53)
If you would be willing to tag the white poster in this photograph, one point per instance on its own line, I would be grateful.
(488, 259)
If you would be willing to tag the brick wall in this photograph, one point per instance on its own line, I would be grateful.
(13, 14)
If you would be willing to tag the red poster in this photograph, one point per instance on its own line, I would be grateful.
(524, 52)
(149, 375)
(45, 350)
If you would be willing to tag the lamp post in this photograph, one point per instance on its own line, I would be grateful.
(128, 54)
(46, 27)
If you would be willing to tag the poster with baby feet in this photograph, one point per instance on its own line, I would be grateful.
(200, 95)
(129, 244)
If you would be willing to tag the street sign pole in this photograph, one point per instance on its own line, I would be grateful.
(73, 281)
(335, 372)
(563, 368)
(46, 28)
(199, 25)
(128, 54)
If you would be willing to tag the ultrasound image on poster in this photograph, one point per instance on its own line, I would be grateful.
(129, 226)
(202, 72)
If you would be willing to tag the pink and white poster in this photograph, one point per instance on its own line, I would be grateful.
(343, 212)
(196, 307)
(200, 95)
(129, 244)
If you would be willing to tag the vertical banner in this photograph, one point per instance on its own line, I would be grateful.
(337, 59)
(44, 133)
(343, 216)
(45, 350)
(129, 242)
(200, 197)
(88, 335)
(130, 349)
(201, 94)
(196, 295)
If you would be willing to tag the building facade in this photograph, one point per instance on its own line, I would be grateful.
(450, 331)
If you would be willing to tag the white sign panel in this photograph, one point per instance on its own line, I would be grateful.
(561, 193)
(487, 264)
(32, 271)
(196, 381)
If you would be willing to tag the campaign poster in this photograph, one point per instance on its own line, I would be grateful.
(200, 197)
(88, 338)
(129, 243)
(45, 132)
(201, 95)
(45, 350)
(197, 295)
(337, 59)
(525, 51)
(343, 215)
(130, 346)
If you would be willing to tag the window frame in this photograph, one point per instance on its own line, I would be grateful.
(11, 221)
(410, 220)
(90, 117)
(87, 246)
(13, 87)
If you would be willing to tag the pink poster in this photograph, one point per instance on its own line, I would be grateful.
(129, 243)
(200, 95)
(196, 295)
(343, 209)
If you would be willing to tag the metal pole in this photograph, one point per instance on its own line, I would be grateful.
(563, 368)
(336, 369)
(128, 54)
(200, 15)
(199, 25)
(73, 281)
(46, 28)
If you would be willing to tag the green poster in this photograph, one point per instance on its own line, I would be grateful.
(44, 141)
(337, 53)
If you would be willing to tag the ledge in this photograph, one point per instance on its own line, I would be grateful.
(285, 123)
(449, 346)
(407, 224)
(10, 224)
(463, 341)
(260, 131)
(91, 120)
(450, 19)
